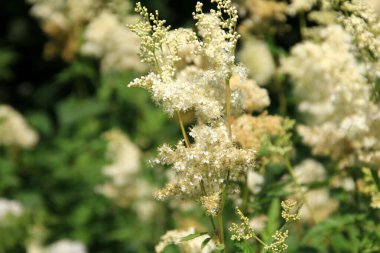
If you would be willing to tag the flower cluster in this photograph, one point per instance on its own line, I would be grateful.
(317, 203)
(14, 130)
(190, 246)
(242, 231)
(123, 185)
(288, 212)
(342, 120)
(91, 27)
(211, 159)
(278, 245)
(255, 55)
(9, 208)
(190, 72)
(66, 246)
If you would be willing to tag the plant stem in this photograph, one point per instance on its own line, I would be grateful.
(291, 172)
(220, 213)
(221, 230)
(187, 142)
(211, 218)
(245, 194)
(228, 109)
(259, 240)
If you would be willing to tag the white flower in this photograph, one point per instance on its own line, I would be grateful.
(9, 207)
(297, 6)
(254, 181)
(258, 59)
(191, 246)
(107, 38)
(14, 130)
(66, 246)
(309, 171)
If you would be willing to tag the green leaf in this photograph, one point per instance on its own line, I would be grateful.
(205, 241)
(192, 236)
(273, 219)
(72, 111)
(245, 247)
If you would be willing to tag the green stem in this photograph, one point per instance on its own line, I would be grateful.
(292, 175)
(245, 194)
(211, 218)
(187, 142)
(228, 109)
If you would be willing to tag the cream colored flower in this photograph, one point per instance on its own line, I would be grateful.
(14, 130)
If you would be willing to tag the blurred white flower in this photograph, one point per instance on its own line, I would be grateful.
(258, 223)
(14, 130)
(66, 246)
(191, 246)
(309, 171)
(9, 207)
(297, 6)
(107, 38)
(255, 55)
(255, 181)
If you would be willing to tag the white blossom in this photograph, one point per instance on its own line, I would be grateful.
(14, 130)
(66, 246)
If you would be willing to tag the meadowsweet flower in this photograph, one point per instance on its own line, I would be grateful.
(210, 159)
(190, 246)
(9, 208)
(258, 223)
(363, 24)
(342, 116)
(242, 231)
(211, 203)
(309, 171)
(255, 181)
(262, 15)
(321, 203)
(98, 24)
(289, 212)
(121, 173)
(189, 72)
(255, 55)
(278, 245)
(66, 246)
(318, 200)
(14, 130)
(297, 6)
(253, 98)
(268, 134)
(105, 38)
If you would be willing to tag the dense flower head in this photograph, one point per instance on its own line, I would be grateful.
(255, 54)
(210, 159)
(92, 28)
(190, 72)
(105, 38)
(342, 118)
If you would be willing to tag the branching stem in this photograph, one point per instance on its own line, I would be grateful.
(299, 188)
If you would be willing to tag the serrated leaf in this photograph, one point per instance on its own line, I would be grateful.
(192, 236)
(245, 247)
(205, 241)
